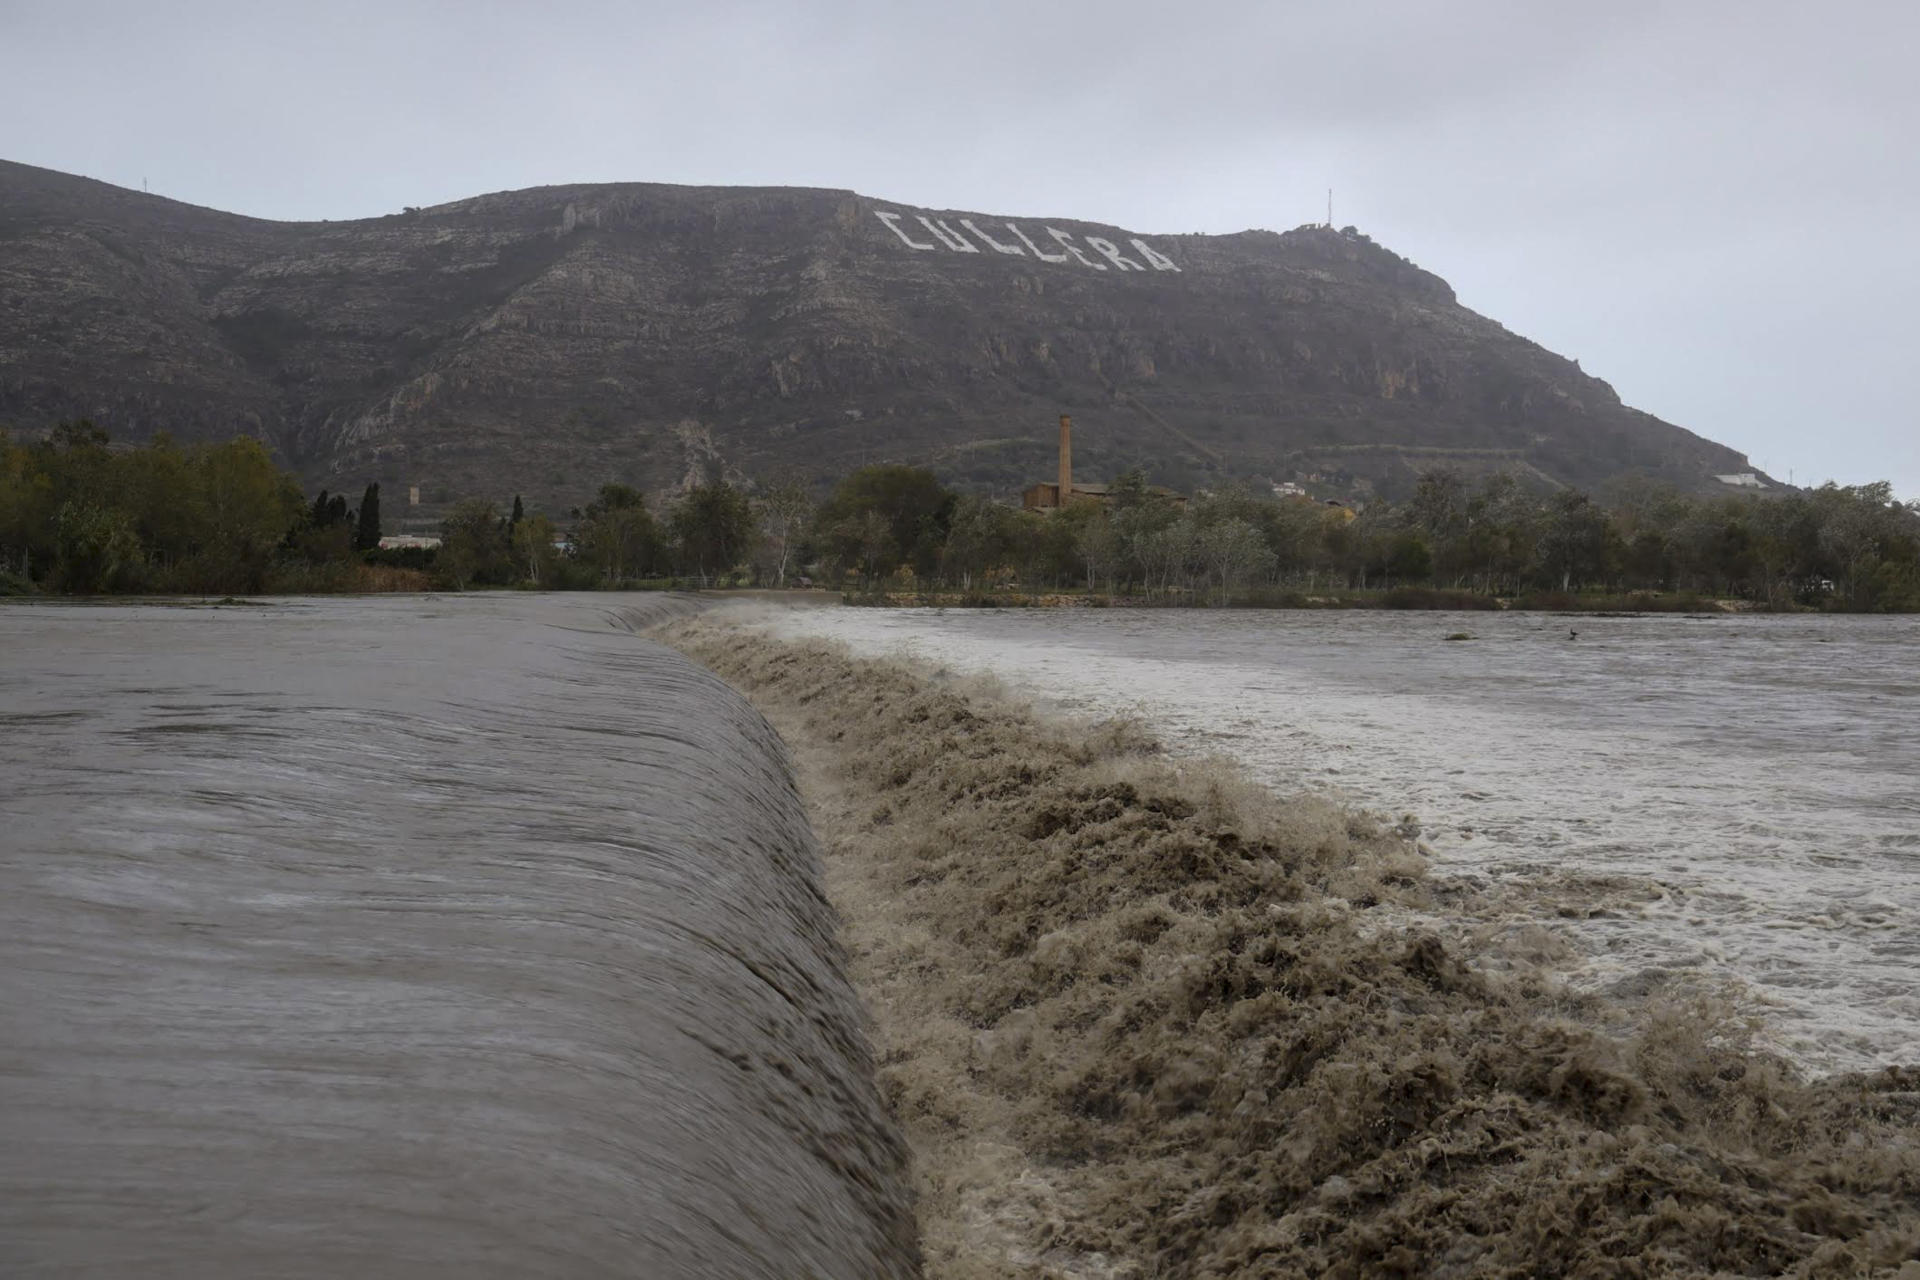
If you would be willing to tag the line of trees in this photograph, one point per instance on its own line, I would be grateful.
(76, 515)
(706, 538)
(79, 516)
(892, 527)
(1837, 547)
(82, 516)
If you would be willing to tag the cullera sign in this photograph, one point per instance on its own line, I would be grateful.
(941, 231)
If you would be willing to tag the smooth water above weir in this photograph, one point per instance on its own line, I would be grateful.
(403, 937)
(1686, 801)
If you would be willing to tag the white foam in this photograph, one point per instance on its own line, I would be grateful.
(1745, 789)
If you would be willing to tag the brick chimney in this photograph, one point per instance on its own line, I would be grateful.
(1066, 459)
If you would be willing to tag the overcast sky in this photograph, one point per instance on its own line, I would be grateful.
(1708, 204)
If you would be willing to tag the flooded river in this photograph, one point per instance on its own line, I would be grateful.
(1688, 802)
(379, 937)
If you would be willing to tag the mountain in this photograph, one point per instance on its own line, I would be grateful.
(545, 341)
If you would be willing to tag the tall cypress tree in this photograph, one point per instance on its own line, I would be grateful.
(366, 536)
(519, 514)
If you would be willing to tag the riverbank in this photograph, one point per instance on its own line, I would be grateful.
(1141, 1017)
(362, 579)
(1403, 598)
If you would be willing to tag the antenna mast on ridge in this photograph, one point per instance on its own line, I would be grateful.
(1329, 208)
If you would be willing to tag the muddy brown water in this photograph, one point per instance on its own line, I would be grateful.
(1728, 801)
(408, 937)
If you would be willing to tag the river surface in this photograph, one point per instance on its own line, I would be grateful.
(1733, 800)
(413, 937)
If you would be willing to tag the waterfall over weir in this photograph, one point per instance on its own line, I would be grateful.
(402, 937)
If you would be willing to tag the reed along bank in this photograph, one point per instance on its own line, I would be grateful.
(1140, 1017)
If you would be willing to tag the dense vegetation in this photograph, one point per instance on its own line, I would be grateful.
(1452, 544)
(82, 516)
(77, 515)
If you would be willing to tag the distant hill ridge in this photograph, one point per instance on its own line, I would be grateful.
(547, 340)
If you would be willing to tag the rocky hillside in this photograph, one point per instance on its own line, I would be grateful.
(545, 341)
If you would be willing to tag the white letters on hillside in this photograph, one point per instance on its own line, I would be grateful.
(1111, 252)
(989, 241)
(947, 236)
(1044, 257)
(892, 223)
(1066, 242)
(955, 242)
(1160, 262)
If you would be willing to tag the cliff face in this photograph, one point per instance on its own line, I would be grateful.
(545, 341)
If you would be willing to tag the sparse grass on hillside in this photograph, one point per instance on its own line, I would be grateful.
(1143, 1018)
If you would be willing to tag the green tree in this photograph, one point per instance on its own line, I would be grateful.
(1408, 558)
(1098, 550)
(25, 493)
(713, 528)
(1731, 561)
(1232, 552)
(249, 506)
(914, 506)
(97, 548)
(82, 463)
(1296, 535)
(1440, 510)
(366, 534)
(161, 495)
(1577, 545)
(1854, 529)
(1165, 553)
(618, 535)
(473, 545)
(1137, 526)
(533, 548)
(1502, 526)
(980, 537)
(782, 511)
(1364, 544)
(324, 544)
(1130, 489)
(1648, 559)
(873, 546)
(1045, 548)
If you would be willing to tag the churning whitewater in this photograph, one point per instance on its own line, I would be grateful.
(1141, 1016)
(1727, 802)
(413, 937)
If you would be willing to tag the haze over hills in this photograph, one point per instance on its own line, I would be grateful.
(548, 340)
